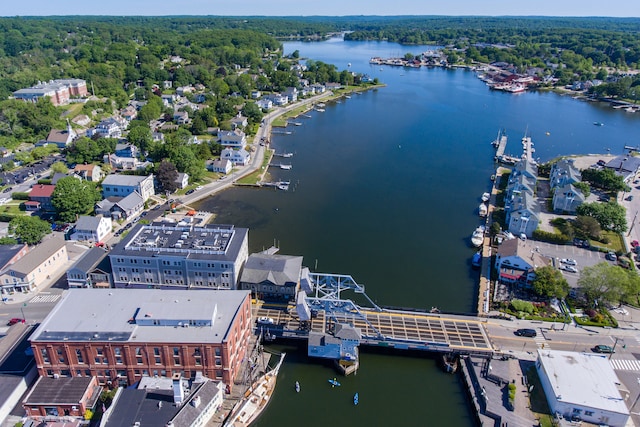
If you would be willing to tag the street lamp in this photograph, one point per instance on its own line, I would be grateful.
(22, 312)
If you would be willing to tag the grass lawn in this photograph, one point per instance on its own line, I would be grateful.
(616, 243)
(539, 405)
(255, 177)
(12, 208)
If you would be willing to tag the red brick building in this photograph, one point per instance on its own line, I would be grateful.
(121, 335)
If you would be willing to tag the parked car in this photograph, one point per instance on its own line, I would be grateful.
(601, 163)
(199, 187)
(630, 197)
(525, 332)
(6, 190)
(603, 349)
(569, 268)
(189, 191)
(611, 256)
(266, 320)
(568, 261)
(15, 320)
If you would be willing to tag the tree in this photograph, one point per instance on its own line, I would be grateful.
(605, 283)
(166, 173)
(550, 283)
(59, 167)
(29, 229)
(73, 197)
(140, 136)
(610, 215)
(588, 226)
(8, 241)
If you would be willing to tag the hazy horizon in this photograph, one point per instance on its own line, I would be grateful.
(329, 8)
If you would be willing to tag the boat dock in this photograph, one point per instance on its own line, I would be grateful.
(500, 143)
(280, 165)
(527, 149)
(285, 155)
(281, 132)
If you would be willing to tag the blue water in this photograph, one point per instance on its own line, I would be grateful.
(386, 189)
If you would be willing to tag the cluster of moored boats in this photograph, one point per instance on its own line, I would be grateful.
(477, 237)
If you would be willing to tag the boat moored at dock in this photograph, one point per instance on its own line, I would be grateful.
(477, 238)
(483, 210)
(485, 197)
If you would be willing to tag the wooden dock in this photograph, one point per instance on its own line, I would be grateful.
(501, 145)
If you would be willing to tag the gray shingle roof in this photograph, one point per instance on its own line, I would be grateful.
(132, 200)
(127, 180)
(277, 269)
(90, 259)
(86, 222)
(37, 255)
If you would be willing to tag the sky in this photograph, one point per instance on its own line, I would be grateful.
(619, 8)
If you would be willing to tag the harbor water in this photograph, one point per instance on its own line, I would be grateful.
(385, 187)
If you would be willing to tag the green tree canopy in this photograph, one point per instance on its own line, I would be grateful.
(59, 167)
(606, 179)
(610, 215)
(29, 229)
(550, 283)
(73, 197)
(606, 283)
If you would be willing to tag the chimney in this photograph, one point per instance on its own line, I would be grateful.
(178, 392)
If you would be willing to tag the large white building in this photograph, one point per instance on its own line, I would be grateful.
(581, 385)
(169, 256)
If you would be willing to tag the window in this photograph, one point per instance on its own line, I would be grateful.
(176, 356)
(79, 356)
(45, 355)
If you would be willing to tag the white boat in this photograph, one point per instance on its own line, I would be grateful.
(297, 387)
(486, 197)
(483, 210)
(477, 238)
(283, 185)
(285, 167)
(256, 399)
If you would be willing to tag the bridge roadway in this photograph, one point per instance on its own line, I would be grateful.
(391, 328)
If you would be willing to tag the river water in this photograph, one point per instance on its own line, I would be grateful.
(387, 185)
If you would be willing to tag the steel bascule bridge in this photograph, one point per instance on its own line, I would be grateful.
(320, 306)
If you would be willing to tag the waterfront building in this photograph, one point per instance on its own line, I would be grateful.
(61, 399)
(236, 157)
(232, 138)
(582, 386)
(115, 185)
(564, 172)
(175, 401)
(223, 166)
(59, 91)
(516, 261)
(567, 199)
(521, 207)
(123, 335)
(169, 256)
(272, 276)
(627, 166)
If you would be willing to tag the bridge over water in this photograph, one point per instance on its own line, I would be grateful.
(322, 308)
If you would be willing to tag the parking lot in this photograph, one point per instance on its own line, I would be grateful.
(583, 257)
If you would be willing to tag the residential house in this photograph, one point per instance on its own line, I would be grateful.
(127, 150)
(221, 166)
(319, 88)
(256, 94)
(235, 138)
(126, 163)
(123, 185)
(239, 121)
(291, 93)
(40, 198)
(62, 138)
(111, 127)
(168, 99)
(182, 180)
(8, 255)
(59, 175)
(567, 199)
(167, 84)
(516, 261)
(127, 207)
(272, 276)
(184, 90)
(563, 173)
(181, 117)
(180, 257)
(523, 215)
(89, 172)
(35, 267)
(583, 386)
(92, 228)
(92, 270)
(62, 399)
(278, 99)
(237, 157)
(332, 86)
(265, 103)
(123, 335)
(157, 136)
(129, 113)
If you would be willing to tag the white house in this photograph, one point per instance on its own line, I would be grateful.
(265, 104)
(123, 185)
(583, 386)
(221, 166)
(237, 157)
(182, 180)
(92, 228)
(567, 198)
(235, 138)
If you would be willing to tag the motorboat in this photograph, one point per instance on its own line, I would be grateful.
(356, 398)
(486, 197)
(334, 383)
(476, 261)
(283, 185)
(285, 167)
(297, 387)
(598, 123)
(483, 210)
(477, 238)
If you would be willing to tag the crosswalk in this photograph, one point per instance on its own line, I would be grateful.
(540, 340)
(44, 298)
(625, 364)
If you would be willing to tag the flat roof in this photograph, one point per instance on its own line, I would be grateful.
(583, 379)
(59, 391)
(209, 242)
(141, 315)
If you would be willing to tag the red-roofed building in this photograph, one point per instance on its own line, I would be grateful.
(40, 198)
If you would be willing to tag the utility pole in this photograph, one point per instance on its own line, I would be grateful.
(633, 222)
